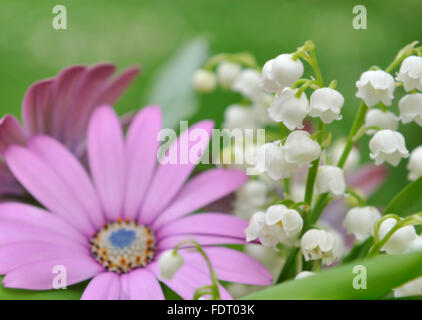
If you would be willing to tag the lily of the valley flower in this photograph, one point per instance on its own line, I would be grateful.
(410, 107)
(204, 80)
(415, 164)
(381, 119)
(248, 83)
(250, 198)
(326, 103)
(304, 274)
(361, 221)
(300, 149)
(227, 72)
(238, 117)
(330, 179)
(289, 109)
(411, 288)
(375, 86)
(411, 73)
(169, 263)
(387, 145)
(319, 244)
(400, 241)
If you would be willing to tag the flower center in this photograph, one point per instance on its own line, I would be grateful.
(123, 245)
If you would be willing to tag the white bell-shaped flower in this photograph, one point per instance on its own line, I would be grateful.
(267, 78)
(304, 274)
(387, 145)
(336, 150)
(410, 107)
(411, 288)
(169, 263)
(250, 198)
(286, 71)
(411, 73)
(330, 179)
(204, 80)
(326, 103)
(415, 164)
(361, 221)
(248, 83)
(271, 160)
(289, 109)
(319, 244)
(289, 221)
(238, 117)
(300, 148)
(227, 72)
(375, 86)
(256, 223)
(381, 119)
(400, 241)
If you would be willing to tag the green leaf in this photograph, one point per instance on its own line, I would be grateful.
(172, 87)
(359, 251)
(408, 201)
(383, 274)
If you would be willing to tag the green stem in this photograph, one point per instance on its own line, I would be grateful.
(289, 267)
(378, 246)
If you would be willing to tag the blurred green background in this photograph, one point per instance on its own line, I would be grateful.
(148, 33)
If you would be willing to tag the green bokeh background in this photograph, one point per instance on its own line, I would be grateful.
(147, 33)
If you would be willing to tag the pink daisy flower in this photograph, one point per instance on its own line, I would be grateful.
(115, 228)
(61, 107)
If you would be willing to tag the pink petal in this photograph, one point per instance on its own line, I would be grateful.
(107, 160)
(187, 280)
(17, 254)
(11, 133)
(368, 178)
(36, 175)
(70, 170)
(216, 224)
(230, 265)
(36, 105)
(143, 285)
(40, 276)
(203, 240)
(23, 222)
(170, 177)
(9, 186)
(105, 286)
(141, 156)
(200, 191)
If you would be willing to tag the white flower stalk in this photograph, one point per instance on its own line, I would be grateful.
(281, 72)
(400, 241)
(271, 160)
(415, 164)
(169, 263)
(227, 72)
(250, 198)
(289, 109)
(410, 107)
(381, 119)
(319, 244)
(289, 221)
(411, 73)
(336, 151)
(238, 117)
(304, 274)
(326, 103)
(389, 146)
(300, 148)
(204, 80)
(361, 222)
(374, 87)
(248, 83)
(411, 288)
(330, 179)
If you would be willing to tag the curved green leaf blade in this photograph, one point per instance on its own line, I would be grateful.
(408, 201)
(383, 274)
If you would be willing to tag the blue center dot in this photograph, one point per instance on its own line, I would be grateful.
(122, 238)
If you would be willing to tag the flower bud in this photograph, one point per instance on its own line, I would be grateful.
(411, 73)
(410, 107)
(169, 263)
(289, 109)
(382, 119)
(400, 240)
(319, 244)
(204, 80)
(376, 86)
(330, 179)
(227, 72)
(415, 164)
(326, 103)
(300, 148)
(267, 78)
(361, 221)
(248, 83)
(387, 145)
(286, 71)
